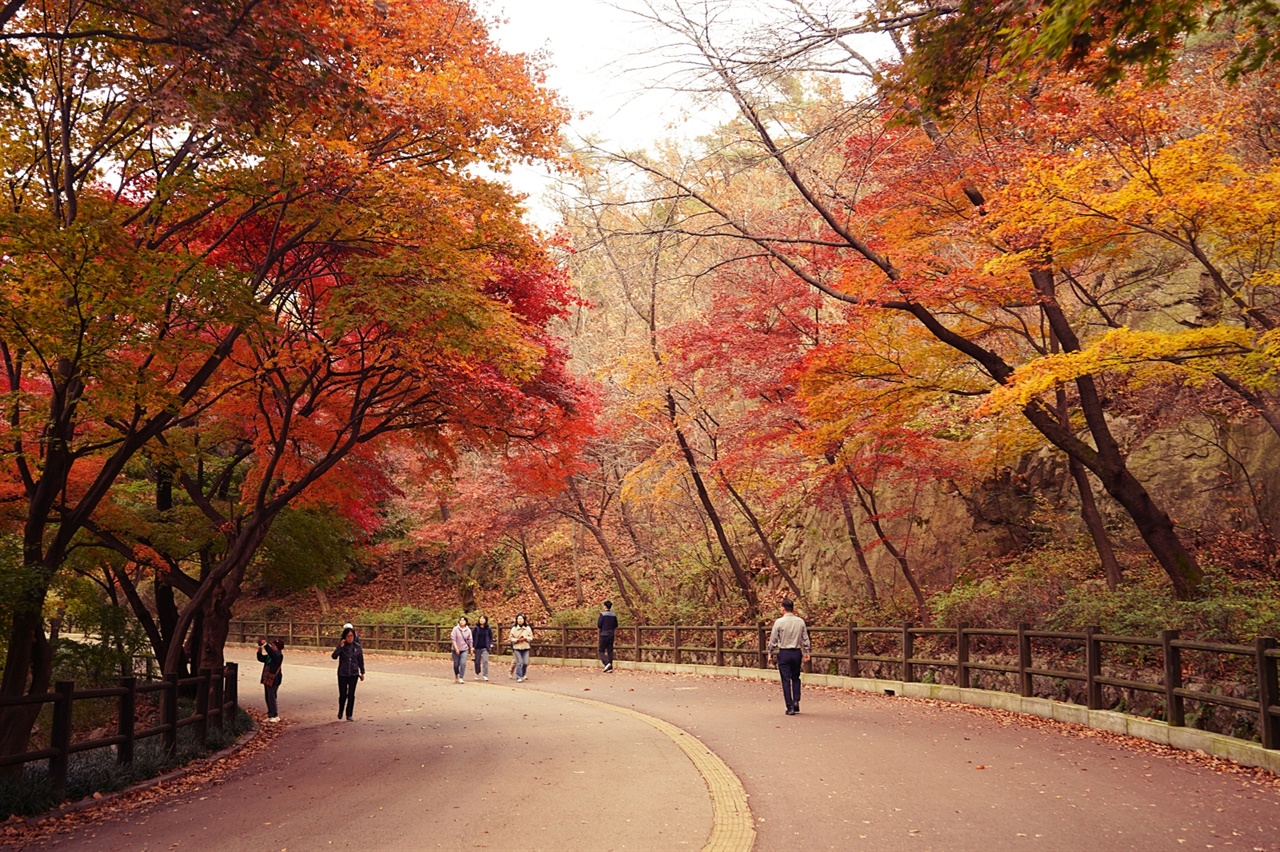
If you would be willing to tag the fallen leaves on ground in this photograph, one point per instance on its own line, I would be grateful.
(109, 807)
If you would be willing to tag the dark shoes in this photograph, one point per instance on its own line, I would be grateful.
(609, 667)
(792, 711)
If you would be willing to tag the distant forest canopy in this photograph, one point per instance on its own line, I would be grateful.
(986, 330)
(1011, 294)
(985, 337)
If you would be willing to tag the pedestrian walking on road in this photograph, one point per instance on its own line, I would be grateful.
(521, 640)
(789, 644)
(460, 640)
(482, 644)
(350, 657)
(607, 623)
(271, 655)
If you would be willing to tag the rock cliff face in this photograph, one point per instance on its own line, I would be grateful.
(1216, 481)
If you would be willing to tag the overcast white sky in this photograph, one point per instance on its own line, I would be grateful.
(588, 43)
(601, 60)
(590, 46)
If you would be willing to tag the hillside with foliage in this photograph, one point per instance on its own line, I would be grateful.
(983, 337)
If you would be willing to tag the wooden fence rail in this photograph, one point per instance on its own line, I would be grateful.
(217, 700)
(1020, 660)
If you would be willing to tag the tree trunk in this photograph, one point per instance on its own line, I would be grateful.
(1107, 461)
(851, 525)
(1088, 505)
(533, 578)
(620, 573)
(1093, 522)
(744, 582)
(764, 540)
(323, 599)
(30, 656)
(629, 525)
(867, 500)
(578, 597)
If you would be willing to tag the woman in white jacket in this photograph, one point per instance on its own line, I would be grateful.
(521, 639)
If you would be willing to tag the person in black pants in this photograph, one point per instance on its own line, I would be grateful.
(271, 655)
(350, 657)
(607, 623)
(789, 643)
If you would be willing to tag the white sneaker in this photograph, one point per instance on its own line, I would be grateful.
(519, 680)
(273, 718)
(486, 677)
(459, 680)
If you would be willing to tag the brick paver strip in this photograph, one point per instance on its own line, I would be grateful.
(732, 826)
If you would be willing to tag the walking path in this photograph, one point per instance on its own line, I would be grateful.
(578, 759)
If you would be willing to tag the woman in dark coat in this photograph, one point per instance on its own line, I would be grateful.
(482, 639)
(271, 655)
(350, 657)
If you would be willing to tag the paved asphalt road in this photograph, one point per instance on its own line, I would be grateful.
(430, 764)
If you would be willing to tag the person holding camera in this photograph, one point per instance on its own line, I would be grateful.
(271, 655)
(350, 657)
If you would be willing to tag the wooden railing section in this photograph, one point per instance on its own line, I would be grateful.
(217, 700)
(1024, 661)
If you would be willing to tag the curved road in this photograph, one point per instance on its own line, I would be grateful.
(430, 764)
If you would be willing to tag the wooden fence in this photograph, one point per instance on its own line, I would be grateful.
(217, 700)
(1088, 667)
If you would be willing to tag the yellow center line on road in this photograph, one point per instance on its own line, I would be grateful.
(732, 826)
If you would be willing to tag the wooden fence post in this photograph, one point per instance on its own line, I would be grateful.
(1026, 688)
(762, 646)
(637, 630)
(1268, 694)
(231, 692)
(202, 706)
(216, 699)
(1174, 709)
(908, 651)
(719, 644)
(126, 721)
(675, 644)
(60, 735)
(962, 656)
(564, 642)
(1092, 668)
(169, 714)
(855, 667)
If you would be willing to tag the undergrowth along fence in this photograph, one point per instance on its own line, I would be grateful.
(1228, 688)
(216, 702)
